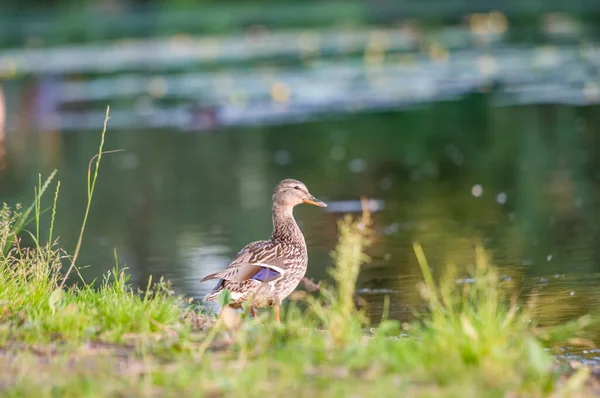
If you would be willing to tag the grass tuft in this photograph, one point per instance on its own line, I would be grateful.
(335, 308)
(480, 330)
(36, 309)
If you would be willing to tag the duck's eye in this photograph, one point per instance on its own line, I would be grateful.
(297, 187)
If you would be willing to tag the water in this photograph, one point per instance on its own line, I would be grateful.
(521, 180)
(262, 76)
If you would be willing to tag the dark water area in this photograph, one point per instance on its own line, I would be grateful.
(523, 181)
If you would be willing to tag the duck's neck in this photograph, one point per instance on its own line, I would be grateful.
(285, 227)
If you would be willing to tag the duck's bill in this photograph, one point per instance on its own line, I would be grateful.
(311, 200)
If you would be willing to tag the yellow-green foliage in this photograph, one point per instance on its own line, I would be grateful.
(27, 276)
(336, 307)
(354, 238)
(477, 328)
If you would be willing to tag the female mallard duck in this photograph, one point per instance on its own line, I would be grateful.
(267, 271)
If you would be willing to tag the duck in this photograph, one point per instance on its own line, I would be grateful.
(266, 272)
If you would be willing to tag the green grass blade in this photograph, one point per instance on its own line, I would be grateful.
(21, 221)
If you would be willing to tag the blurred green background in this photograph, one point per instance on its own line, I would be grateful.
(465, 121)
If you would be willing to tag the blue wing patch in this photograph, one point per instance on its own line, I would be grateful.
(266, 275)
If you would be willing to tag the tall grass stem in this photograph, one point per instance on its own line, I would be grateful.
(91, 185)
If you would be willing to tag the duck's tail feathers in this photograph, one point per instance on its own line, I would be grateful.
(211, 276)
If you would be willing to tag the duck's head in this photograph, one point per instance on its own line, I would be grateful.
(290, 193)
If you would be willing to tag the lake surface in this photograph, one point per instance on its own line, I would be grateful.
(523, 180)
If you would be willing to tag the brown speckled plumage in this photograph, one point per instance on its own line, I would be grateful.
(269, 270)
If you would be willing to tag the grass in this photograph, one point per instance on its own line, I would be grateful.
(35, 309)
(105, 339)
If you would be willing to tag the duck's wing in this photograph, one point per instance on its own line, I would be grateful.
(260, 260)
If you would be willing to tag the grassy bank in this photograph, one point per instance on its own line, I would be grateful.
(105, 339)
